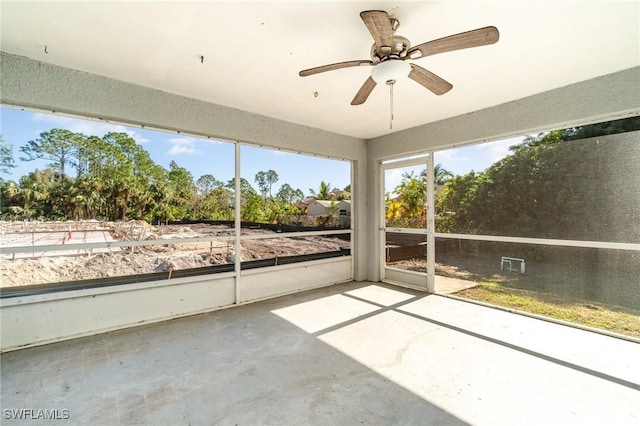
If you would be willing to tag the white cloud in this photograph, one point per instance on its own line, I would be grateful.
(450, 156)
(87, 127)
(475, 157)
(393, 177)
(182, 146)
(497, 150)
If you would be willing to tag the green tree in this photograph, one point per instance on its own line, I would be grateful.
(183, 189)
(92, 199)
(455, 208)
(265, 181)
(261, 180)
(207, 183)
(6, 157)
(271, 177)
(323, 193)
(58, 146)
(118, 172)
(214, 200)
(34, 194)
(552, 185)
(245, 187)
(287, 195)
(9, 191)
(221, 201)
(412, 193)
(251, 208)
(126, 177)
(441, 175)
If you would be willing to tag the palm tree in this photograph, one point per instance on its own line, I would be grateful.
(440, 175)
(30, 195)
(9, 194)
(324, 192)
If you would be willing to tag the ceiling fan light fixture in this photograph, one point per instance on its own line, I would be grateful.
(392, 69)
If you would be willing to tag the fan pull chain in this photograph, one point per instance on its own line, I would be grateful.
(391, 83)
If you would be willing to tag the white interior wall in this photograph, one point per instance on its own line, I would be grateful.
(40, 319)
(264, 283)
(600, 99)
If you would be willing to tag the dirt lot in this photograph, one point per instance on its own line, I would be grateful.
(84, 264)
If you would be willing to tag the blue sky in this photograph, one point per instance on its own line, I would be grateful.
(204, 156)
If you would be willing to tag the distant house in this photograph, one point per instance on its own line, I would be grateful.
(345, 207)
(319, 207)
(323, 207)
(302, 205)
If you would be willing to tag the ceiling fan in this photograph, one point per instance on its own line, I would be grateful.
(390, 52)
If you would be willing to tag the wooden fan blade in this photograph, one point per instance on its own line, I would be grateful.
(473, 38)
(364, 92)
(429, 80)
(379, 25)
(336, 66)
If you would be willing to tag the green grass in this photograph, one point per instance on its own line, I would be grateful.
(610, 318)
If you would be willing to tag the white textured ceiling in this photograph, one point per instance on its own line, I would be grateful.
(253, 51)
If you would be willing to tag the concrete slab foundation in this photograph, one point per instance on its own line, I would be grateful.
(358, 353)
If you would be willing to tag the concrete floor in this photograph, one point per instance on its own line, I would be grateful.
(359, 353)
(448, 285)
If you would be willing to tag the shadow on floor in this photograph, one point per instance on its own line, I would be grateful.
(356, 353)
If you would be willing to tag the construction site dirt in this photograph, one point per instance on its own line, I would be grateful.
(60, 261)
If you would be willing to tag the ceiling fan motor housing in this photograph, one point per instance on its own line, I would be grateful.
(399, 49)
